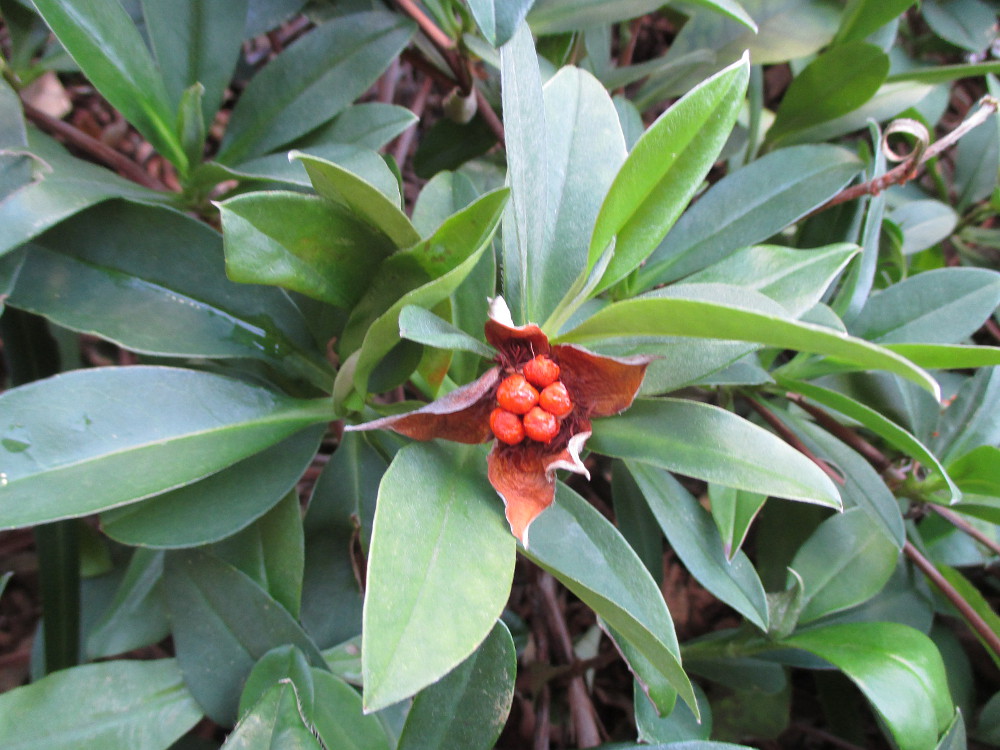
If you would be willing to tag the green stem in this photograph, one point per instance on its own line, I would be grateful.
(32, 354)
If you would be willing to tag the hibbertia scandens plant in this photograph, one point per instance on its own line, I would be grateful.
(535, 403)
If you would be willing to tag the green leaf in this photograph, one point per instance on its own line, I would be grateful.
(440, 544)
(468, 707)
(797, 279)
(973, 417)
(786, 30)
(694, 537)
(217, 643)
(964, 23)
(588, 556)
(845, 562)
(239, 495)
(270, 552)
(749, 206)
(975, 599)
(498, 19)
(978, 471)
(448, 145)
(874, 421)
(924, 223)
(553, 16)
(835, 83)
(945, 73)
(300, 242)
(664, 170)
(943, 306)
(733, 511)
(311, 81)
(153, 281)
(679, 725)
(636, 521)
(897, 668)
(339, 718)
(343, 500)
(274, 721)
(197, 41)
(864, 17)
(107, 46)
(369, 125)
(151, 428)
(584, 148)
(136, 616)
(527, 167)
(696, 318)
(447, 256)
(340, 185)
(67, 186)
(424, 327)
(706, 442)
(284, 662)
(948, 356)
(135, 704)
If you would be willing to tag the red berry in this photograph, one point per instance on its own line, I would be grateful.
(555, 399)
(506, 426)
(516, 395)
(541, 371)
(540, 425)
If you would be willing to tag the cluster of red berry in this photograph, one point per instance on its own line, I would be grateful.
(531, 403)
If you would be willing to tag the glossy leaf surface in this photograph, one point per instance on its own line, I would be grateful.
(303, 243)
(109, 49)
(690, 317)
(152, 428)
(663, 171)
(274, 721)
(897, 668)
(440, 544)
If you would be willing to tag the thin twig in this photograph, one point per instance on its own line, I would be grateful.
(993, 329)
(93, 147)
(983, 630)
(405, 140)
(793, 440)
(960, 523)
(909, 168)
(581, 707)
(490, 117)
(443, 43)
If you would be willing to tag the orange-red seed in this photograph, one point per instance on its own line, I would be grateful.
(540, 425)
(541, 371)
(516, 394)
(506, 426)
(555, 399)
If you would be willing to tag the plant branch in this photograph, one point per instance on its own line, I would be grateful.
(916, 159)
(93, 147)
(792, 439)
(983, 630)
(960, 523)
(581, 707)
(443, 43)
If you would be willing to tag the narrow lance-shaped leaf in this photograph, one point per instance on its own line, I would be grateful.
(106, 45)
(664, 170)
(655, 317)
(498, 19)
(111, 436)
(311, 81)
(706, 442)
(587, 555)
